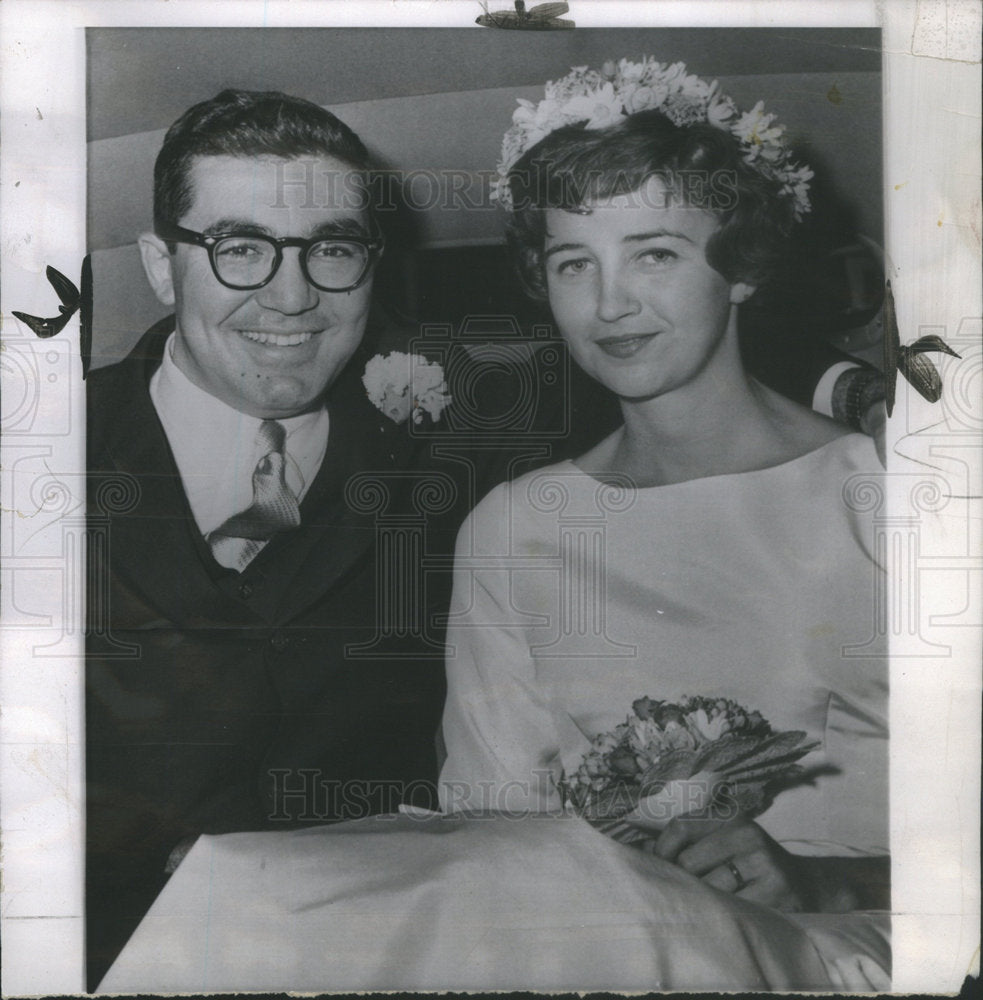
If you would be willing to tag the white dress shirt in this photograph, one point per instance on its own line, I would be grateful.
(216, 447)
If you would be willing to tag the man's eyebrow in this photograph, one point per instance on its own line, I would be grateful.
(245, 227)
(340, 227)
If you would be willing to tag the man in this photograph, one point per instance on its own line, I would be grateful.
(233, 679)
(239, 578)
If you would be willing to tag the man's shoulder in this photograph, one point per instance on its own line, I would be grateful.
(143, 357)
(118, 395)
(108, 390)
(100, 382)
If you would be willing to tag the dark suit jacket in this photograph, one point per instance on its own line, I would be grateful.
(218, 701)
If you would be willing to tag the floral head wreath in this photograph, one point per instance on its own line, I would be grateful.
(598, 99)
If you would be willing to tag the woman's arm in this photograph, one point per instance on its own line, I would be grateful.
(502, 752)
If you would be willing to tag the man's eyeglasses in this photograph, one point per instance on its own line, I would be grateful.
(335, 264)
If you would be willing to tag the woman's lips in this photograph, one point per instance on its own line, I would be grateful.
(624, 347)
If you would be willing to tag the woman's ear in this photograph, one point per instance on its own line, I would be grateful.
(157, 266)
(741, 292)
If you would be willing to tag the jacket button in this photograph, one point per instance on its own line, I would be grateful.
(245, 591)
(279, 642)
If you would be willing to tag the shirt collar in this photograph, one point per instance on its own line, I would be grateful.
(216, 466)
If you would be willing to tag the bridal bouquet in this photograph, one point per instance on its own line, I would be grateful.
(669, 759)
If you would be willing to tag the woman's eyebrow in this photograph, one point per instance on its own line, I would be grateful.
(561, 247)
(630, 238)
(656, 234)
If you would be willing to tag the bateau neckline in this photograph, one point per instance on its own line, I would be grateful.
(838, 442)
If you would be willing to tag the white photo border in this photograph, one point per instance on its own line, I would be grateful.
(931, 80)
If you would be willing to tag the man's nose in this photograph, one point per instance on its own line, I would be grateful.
(615, 298)
(288, 291)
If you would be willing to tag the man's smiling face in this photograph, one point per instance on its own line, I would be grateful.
(270, 352)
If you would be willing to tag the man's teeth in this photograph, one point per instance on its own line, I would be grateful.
(279, 339)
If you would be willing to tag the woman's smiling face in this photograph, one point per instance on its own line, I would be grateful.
(630, 288)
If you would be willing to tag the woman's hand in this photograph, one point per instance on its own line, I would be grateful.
(737, 856)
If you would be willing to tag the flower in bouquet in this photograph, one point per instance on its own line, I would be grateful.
(406, 385)
(670, 758)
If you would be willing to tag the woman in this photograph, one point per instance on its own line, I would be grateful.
(704, 548)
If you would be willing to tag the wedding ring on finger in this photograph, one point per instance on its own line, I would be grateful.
(736, 872)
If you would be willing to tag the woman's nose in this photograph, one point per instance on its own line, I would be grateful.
(615, 298)
(288, 291)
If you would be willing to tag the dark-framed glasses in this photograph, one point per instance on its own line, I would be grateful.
(245, 262)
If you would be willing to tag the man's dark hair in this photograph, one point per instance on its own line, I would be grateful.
(699, 165)
(246, 123)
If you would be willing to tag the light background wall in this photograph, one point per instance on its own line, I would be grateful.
(440, 99)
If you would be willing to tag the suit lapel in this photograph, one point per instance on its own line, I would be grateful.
(338, 527)
(156, 547)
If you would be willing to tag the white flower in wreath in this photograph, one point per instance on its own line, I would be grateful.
(797, 184)
(406, 385)
(603, 107)
(627, 71)
(645, 98)
(755, 130)
(599, 99)
(721, 110)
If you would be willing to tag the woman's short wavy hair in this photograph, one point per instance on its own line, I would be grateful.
(699, 165)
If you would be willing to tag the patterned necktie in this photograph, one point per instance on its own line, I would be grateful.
(274, 508)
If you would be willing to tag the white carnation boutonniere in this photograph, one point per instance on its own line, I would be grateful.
(406, 385)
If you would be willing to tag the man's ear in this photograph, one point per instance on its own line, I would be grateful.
(157, 266)
(741, 292)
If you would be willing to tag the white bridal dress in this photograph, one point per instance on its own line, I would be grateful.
(572, 599)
